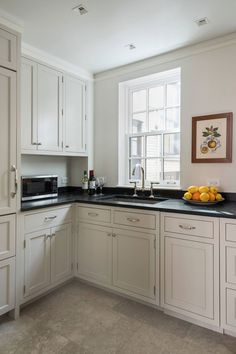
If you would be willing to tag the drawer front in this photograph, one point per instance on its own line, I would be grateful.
(230, 232)
(200, 228)
(140, 220)
(7, 236)
(47, 219)
(231, 264)
(7, 49)
(231, 308)
(94, 214)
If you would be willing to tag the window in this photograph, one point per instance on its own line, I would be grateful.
(150, 128)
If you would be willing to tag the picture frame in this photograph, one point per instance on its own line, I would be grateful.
(212, 137)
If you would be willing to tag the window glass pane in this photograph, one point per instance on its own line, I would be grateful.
(173, 94)
(156, 97)
(153, 146)
(132, 164)
(171, 170)
(153, 170)
(139, 101)
(172, 118)
(139, 122)
(172, 144)
(136, 146)
(156, 120)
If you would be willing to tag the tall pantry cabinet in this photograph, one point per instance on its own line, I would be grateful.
(9, 64)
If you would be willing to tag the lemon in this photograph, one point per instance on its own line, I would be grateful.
(203, 189)
(188, 195)
(214, 189)
(219, 196)
(193, 189)
(204, 197)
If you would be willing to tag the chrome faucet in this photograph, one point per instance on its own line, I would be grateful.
(142, 175)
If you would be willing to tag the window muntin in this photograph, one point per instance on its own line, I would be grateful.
(154, 130)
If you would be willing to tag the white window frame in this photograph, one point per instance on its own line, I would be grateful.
(126, 90)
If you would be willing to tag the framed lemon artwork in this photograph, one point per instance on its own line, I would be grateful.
(212, 138)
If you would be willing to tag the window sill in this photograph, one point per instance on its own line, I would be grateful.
(174, 187)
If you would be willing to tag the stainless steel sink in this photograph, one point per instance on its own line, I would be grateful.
(129, 199)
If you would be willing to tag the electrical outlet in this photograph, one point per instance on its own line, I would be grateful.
(213, 182)
(64, 181)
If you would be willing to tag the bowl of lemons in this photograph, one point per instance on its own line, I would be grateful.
(203, 195)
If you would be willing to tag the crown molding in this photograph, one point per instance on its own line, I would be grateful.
(11, 22)
(170, 56)
(48, 59)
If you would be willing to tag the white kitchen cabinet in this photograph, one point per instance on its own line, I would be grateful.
(74, 122)
(61, 252)
(228, 274)
(29, 120)
(37, 261)
(7, 236)
(94, 252)
(8, 49)
(190, 267)
(134, 262)
(189, 273)
(7, 288)
(49, 105)
(8, 152)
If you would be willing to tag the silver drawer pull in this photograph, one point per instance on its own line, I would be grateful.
(14, 169)
(48, 218)
(133, 220)
(92, 214)
(187, 227)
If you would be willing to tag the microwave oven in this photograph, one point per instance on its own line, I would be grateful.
(39, 187)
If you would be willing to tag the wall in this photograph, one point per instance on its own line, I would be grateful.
(208, 85)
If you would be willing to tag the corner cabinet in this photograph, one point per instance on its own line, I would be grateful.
(190, 267)
(53, 111)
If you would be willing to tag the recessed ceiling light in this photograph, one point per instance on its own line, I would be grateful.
(202, 21)
(130, 46)
(81, 9)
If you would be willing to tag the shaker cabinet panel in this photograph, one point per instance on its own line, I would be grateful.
(7, 236)
(7, 288)
(8, 50)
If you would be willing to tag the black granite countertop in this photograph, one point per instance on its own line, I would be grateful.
(226, 209)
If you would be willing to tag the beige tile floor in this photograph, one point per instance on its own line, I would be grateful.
(78, 318)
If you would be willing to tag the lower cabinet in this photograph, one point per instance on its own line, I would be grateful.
(48, 258)
(122, 258)
(7, 287)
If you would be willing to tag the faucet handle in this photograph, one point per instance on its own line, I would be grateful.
(151, 188)
(135, 188)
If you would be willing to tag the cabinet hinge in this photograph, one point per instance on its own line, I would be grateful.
(85, 117)
(24, 289)
(155, 243)
(24, 244)
(85, 145)
(154, 290)
(85, 88)
(72, 266)
(62, 79)
(77, 266)
(62, 111)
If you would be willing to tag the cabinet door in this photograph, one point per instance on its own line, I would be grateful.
(61, 253)
(49, 109)
(94, 252)
(74, 115)
(7, 236)
(37, 261)
(134, 262)
(8, 50)
(7, 288)
(7, 141)
(29, 138)
(189, 276)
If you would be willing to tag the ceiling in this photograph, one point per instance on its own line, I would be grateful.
(96, 41)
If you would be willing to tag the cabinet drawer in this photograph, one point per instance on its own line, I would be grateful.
(231, 264)
(230, 232)
(231, 308)
(8, 49)
(187, 226)
(47, 219)
(94, 214)
(140, 220)
(7, 236)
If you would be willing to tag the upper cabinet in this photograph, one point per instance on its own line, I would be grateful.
(53, 111)
(8, 50)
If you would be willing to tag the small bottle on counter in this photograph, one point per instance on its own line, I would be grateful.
(85, 183)
(91, 183)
